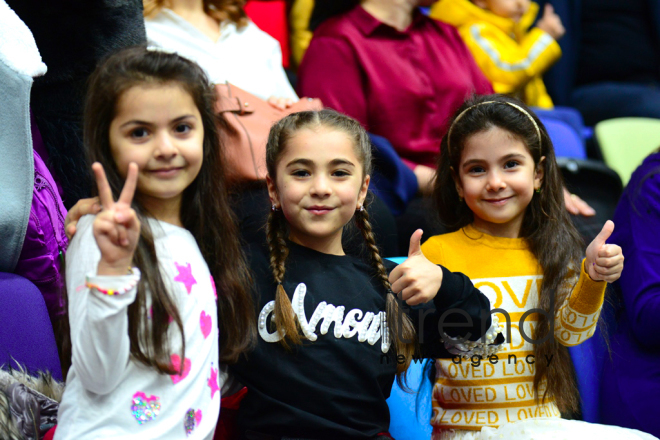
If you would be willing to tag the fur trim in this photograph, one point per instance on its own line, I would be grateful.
(18, 49)
(42, 389)
(43, 383)
(8, 429)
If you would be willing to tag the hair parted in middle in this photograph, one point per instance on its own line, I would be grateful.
(546, 226)
(205, 210)
(277, 228)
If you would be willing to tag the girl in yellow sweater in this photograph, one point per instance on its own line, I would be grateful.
(510, 49)
(499, 188)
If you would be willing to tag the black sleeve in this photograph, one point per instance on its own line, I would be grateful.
(459, 310)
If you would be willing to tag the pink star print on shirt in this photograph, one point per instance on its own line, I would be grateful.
(185, 276)
(213, 382)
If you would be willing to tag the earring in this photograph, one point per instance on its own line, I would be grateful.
(274, 208)
(460, 199)
(538, 190)
(360, 208)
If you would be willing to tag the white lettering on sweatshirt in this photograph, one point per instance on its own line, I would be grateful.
(368, 326)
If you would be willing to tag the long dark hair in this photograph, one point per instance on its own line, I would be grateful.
(205, 210)
(546, 226)
(277, 229)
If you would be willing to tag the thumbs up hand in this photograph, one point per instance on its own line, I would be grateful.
(417, 280)
(604, 261)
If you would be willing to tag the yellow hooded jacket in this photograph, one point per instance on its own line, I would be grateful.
(510, 56)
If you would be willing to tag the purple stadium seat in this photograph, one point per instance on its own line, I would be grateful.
(26, 334)
(565, 139)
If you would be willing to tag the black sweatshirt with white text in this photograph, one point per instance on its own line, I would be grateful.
(335, 384)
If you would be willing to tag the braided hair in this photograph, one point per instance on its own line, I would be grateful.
(276, 230)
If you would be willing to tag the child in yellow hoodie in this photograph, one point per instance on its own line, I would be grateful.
(511, 55)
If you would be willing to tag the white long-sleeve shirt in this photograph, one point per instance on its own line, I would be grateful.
(108, 394)
(248, 57)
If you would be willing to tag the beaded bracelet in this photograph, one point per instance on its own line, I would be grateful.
(112, 292)
(468, 349)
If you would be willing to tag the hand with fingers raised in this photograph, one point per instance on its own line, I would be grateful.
(604, 261)
(116, 227)
(417, 280)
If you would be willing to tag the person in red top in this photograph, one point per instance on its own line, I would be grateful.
(397, 71)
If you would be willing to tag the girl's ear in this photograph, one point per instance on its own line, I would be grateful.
(457, 182)
(539, 173)
(272, 192)
(363, 190)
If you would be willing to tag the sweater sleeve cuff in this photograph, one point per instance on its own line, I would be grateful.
(109, 289)
(588, 295)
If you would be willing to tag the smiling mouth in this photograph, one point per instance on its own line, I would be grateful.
(319, 210)
(500, 201)
(166, 172)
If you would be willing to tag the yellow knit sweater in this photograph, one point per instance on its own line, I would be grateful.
(496, 390)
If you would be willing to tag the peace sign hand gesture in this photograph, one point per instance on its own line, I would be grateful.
(116, 227)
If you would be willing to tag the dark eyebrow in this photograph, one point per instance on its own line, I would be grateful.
(149, 124)
(342, 162)
(472, 162)
(310, 163)
(513, 156)
(301, 161)
(135, 122)
(505, 158)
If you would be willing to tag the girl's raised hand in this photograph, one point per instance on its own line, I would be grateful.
(416, 279)
(604, 261)
(116, 227)
(551, 23)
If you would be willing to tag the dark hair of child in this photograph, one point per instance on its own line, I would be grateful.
(546, 226)
(277, 230)
(205, 210)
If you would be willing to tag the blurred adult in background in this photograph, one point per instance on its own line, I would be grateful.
(218, 35)
(630, 384)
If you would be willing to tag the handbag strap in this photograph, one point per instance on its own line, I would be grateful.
(234, 104)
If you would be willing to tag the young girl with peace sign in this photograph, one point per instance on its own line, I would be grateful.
(144, 315)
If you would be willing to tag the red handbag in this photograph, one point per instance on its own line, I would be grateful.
(250, 119)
